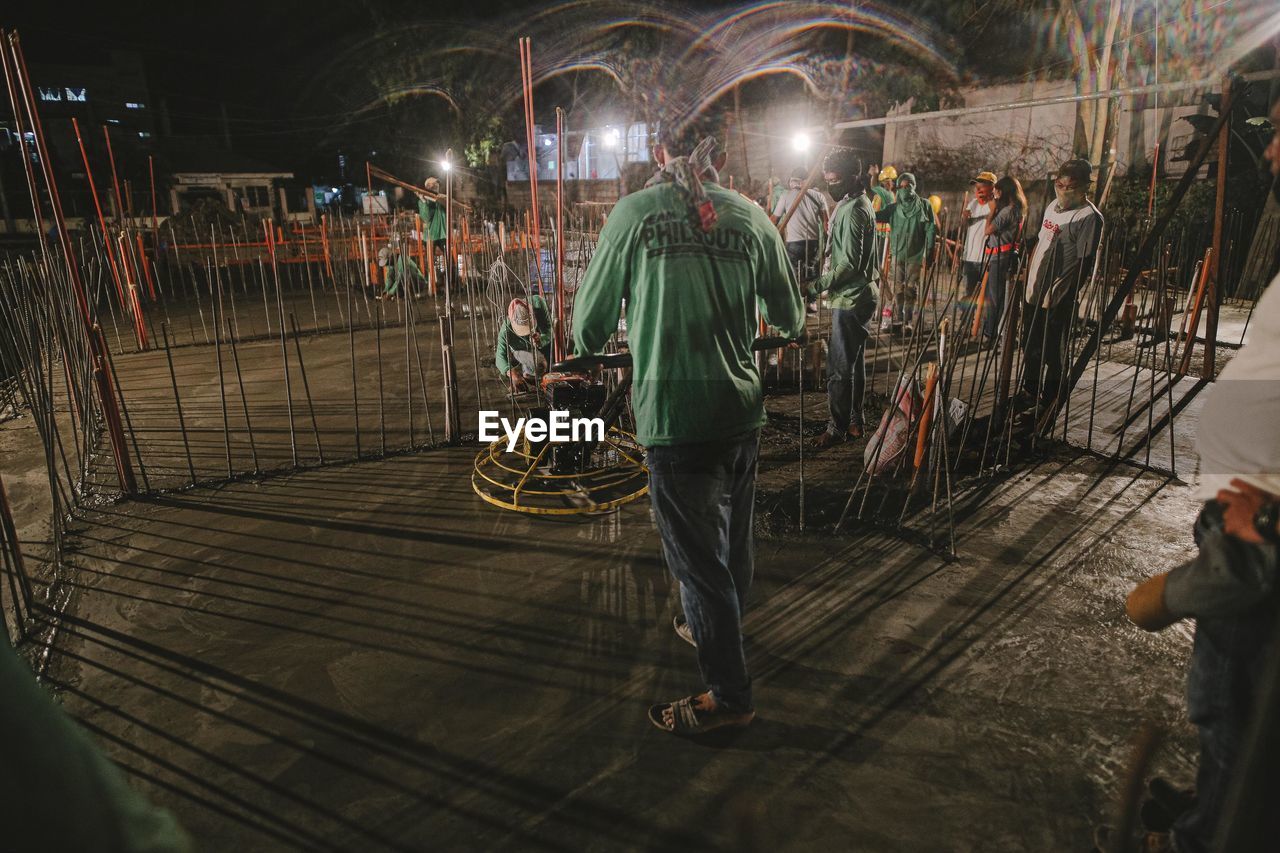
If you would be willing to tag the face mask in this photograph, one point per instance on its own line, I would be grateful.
(906, 193)
(1069, 198)
(838, 187)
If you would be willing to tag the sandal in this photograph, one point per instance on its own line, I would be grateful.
(827, 439)
(688, 721)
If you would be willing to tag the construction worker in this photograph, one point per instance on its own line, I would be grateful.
(694, 263)
(851, 283)
(431, 211)
(882, 197)
(913, 226)
(60, 791)
(524, 343)
(397, 269)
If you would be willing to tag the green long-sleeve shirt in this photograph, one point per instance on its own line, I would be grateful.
(509, 342)
(433, 218)
(854, 270)
(401, 272)
(911, 238)
(691, 302)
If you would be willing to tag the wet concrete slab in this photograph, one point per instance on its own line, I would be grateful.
(367, 657)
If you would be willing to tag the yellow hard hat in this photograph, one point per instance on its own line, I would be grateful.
(936, 203)
(888, 173)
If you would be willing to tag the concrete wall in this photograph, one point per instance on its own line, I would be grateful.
(1030, 141)
(605, 192)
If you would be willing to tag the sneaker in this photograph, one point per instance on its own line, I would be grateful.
(683, 631)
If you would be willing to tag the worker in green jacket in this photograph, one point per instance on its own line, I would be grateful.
(398, 269)
(524, 343)
(60, 792)
(693, 263)
(913, 226)
(850, 281)
(435, 221)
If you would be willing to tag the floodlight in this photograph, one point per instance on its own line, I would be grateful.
(800, 142)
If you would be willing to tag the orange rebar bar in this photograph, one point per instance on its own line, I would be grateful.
(139, 326)
(155, 222)
(558, 337)
(981, 303)
(142, 262)
(526, 68)
(1155, 166)
(115, 180)
(926, 413)
(324, 243)
(102, 223)
(417, 227)
(1189, 331)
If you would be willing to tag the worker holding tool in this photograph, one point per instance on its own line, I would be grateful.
(853, 293)
(431, 210)
(694, 263)
(524, 343)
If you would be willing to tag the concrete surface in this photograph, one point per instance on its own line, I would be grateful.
(364, 656)
(290, 666)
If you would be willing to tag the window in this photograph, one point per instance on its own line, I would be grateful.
(638, 143)
(143, 134)
(134, 105)
(47, 94)
(77, 94)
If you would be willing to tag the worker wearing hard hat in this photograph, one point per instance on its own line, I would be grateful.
(882, 197)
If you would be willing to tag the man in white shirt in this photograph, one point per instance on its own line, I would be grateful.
(1062, 261)
(973, 221)
(804, 228)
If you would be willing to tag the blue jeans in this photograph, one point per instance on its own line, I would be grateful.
(703, 497)
(804, 258)
(846, 365)
(1000, 270)
(971, 277)
(1222, 684)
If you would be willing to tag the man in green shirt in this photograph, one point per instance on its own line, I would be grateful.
(397, 269)
(851, 282)
(435, 226)
(912, 229)
(59, 791)
(693, 262)
(522, 351)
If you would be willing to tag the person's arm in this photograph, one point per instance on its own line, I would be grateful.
(779, 209)
(501, 355)
(598, 303)
(776, 288)
(885, 213)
